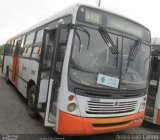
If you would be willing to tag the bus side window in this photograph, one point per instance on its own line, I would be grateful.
(30, 39)
(36, 52)
(11, 48)
(15, 47)
(59, 59)
(37, 45)
(49, 50)
(21, 47)
(7, 47)
(61, 51)
(18, 45)
(28, 52)
(28, 44)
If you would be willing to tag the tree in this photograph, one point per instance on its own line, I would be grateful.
(1, 49)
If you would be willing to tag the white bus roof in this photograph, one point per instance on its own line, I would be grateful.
(72, 10)
(69, 11)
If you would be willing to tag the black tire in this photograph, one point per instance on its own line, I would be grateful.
(7, 76)
(31, 101)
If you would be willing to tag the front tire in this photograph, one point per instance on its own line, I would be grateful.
(31, 101)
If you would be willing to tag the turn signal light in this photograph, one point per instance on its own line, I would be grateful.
(71, 97)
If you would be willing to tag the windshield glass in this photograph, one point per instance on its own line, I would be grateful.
(95, 65)
(134, 71)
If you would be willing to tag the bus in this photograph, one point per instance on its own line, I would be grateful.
(153, 99)
(85, 70)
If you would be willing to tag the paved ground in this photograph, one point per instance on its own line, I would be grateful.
(14, 119)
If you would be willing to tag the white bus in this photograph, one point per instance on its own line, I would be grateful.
(153, 99)
(85, 68)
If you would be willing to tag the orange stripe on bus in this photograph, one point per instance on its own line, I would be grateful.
(73, 125)
(14, 68)
(158, 117)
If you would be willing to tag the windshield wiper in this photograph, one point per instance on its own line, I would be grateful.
(117, 53)
(133, 52)
(85, 31)
(108, 41)
(78, 36)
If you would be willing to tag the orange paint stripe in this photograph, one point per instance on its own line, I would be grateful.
(14, 68)
(74, 125)
(158, 117)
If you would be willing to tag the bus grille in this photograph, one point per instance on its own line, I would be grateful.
(110, 107)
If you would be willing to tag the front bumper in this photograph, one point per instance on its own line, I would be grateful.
(74, 125)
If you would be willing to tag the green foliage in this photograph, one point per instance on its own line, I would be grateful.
(1, 49)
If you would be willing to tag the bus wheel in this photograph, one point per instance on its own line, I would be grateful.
(7, 76)
(31, 101)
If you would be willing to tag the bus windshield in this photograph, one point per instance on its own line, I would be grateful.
(90, 60)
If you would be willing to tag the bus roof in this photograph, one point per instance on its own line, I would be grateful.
(72, 10)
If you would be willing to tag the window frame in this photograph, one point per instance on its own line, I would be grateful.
(27, 46)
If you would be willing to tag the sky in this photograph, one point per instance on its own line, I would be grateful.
(18, 15)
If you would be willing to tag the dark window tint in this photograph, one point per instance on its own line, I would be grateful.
(8, 48)
(36, 52)
(27, 51)
(49, 50)
(21, 49)
(11, 48)
(59, 58)
(14, 47)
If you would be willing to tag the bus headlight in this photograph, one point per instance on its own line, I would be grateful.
(71, 107)
(143, 105)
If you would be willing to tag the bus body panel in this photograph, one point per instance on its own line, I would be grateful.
(87, 123)
(156, 118)
(8, 63)
(155, 76)
(22, 87)
(27, 71)
(88, 126)
(14, 67)
(43, 91)
(157, 101)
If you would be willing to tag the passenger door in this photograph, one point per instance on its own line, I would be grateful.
(47, 51)
(52, 61)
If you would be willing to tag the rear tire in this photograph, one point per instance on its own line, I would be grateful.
(31, 101)
(7, 76)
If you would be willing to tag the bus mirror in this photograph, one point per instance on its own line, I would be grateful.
(63, 36)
